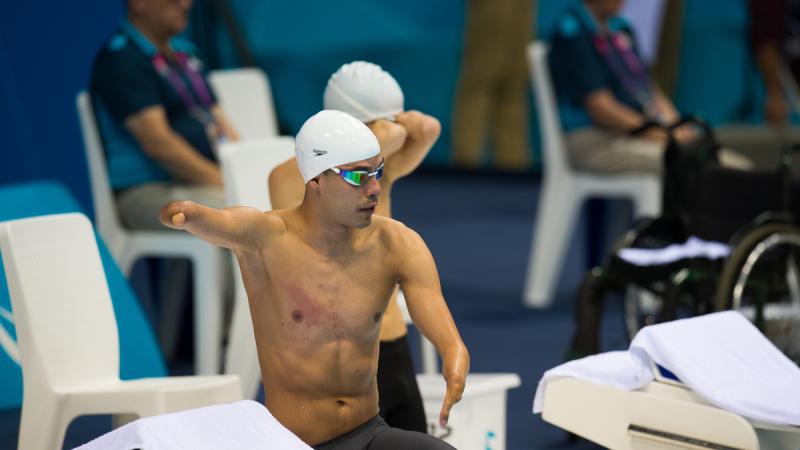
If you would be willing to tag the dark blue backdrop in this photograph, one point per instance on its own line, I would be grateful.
(46, 50)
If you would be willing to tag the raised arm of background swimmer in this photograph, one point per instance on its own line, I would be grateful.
(419, 280)
(422, 132)
(238, 228)
(391, 136)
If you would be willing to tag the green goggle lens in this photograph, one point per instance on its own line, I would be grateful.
(358, 177)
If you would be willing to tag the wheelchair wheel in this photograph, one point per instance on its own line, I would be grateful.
(642, 308)
(684, 295)
(761, 280)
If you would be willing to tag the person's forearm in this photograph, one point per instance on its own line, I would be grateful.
(175, 155)
(768, 60)
(669, 115)
(391, 136)
(421, 127)
(224, 124)
(606, 112)
(455, 358)
(423, 131)
(439, 328)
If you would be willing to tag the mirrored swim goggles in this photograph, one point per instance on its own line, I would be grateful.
(358, 177)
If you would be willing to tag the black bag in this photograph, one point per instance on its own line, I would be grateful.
(683, 165)
(713, 202)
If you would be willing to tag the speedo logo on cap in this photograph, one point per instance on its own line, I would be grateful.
(319, 152)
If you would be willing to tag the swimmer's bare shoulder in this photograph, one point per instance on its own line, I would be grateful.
(269, 225)
(398, 239)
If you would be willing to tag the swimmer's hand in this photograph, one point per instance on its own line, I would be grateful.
(454, 370)
(174, 214)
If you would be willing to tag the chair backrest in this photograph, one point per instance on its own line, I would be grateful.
(65, 323)
(246, 98)
(105, 208)
(246, 166)
(555, 157)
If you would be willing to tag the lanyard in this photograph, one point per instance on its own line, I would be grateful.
(198, 101)
(617, 50)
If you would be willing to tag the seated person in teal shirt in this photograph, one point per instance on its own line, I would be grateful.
(158, 117)
(612, 112)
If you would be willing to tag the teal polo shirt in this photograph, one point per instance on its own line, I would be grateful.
(124, 82)
(579, 69)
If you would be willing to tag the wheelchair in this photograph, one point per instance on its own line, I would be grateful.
(727, 239)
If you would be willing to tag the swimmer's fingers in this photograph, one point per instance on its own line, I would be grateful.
(455, 366)
(451, 397)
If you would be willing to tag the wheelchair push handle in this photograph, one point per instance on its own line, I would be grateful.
(693, 120)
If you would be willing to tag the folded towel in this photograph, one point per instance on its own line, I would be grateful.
(726, 360)
(624, 370)
(243, 425)
(694, 247)
(722, 357)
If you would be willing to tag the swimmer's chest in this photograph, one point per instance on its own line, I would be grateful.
(338, 297)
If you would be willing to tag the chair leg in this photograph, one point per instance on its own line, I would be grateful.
(555, 221)
(126, 260)
(242, 356)
(42, 426)
(209, 289)
(173, 297)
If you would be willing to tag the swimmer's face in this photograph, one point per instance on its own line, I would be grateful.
(352, 205)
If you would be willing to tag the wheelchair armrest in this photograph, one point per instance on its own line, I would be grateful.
(658, 228)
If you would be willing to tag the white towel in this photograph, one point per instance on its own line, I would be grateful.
(694, 247)
(722, 357)
(243, 425)
(624, 370)
(726, 359)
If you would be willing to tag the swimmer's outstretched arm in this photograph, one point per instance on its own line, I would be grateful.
(419, 280)
(236, 228)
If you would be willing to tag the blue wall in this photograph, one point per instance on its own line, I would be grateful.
(299, 44)
(46, 50)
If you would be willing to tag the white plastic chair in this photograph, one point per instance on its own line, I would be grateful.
(68, 340)
(564, 190)
(246, 166)
(128, 246)
(246, 98)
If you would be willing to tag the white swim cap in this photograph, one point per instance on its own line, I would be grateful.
(332, 138)
(365, 91)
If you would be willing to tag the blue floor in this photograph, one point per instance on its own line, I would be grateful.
(479, 229)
